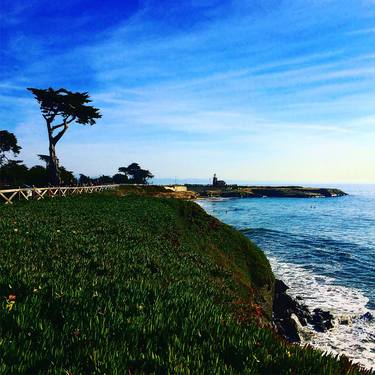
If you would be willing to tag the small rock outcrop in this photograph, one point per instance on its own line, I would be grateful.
(283, 308)
(368, 316)
(322, 320)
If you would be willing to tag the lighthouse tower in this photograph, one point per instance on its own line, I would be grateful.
(214, 180)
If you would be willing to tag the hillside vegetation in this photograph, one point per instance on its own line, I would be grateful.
(122, 285)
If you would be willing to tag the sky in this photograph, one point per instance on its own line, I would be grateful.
(259, 90)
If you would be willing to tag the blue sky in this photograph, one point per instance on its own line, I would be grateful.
(258, 90)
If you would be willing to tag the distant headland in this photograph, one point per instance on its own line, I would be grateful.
(219, 188)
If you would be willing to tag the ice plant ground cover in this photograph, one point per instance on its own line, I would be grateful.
(113, 285)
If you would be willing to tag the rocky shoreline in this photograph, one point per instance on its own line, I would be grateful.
(289, 314)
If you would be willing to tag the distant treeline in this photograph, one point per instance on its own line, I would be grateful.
(13, 173)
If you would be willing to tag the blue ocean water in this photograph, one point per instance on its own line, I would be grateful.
(324, 249)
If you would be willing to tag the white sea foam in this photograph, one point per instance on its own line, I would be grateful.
(356, 339)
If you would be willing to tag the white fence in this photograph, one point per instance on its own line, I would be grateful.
(10, 195)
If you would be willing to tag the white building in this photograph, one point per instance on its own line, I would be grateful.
(176, 187)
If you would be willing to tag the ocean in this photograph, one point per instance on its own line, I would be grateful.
(324, 250)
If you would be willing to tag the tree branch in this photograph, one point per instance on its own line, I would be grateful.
(50, 118)
(69, 121)
(48, 124)
(57, 126)
(63, 123)
(60, 134)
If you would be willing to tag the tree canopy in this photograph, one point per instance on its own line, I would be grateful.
(71, 106)
(60, 108)
(8, 144)
(136, 174)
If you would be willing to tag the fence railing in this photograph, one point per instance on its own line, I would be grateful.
(10, 195)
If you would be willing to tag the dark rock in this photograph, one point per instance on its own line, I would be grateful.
(325, 315)
(344, 322)
(284, 304)
(322, 320)
(283, 308)
(320, 327)
(288, 328)
(302, 320)
(368, 316)
(280, 286)
(302, 312)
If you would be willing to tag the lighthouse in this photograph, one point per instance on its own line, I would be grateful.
(217, 183)
(214, 180)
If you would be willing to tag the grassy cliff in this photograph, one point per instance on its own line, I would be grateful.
(123, 285)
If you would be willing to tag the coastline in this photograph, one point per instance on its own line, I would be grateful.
(301, 324)
(341, 307)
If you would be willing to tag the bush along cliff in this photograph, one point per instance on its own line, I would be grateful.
(104, 284)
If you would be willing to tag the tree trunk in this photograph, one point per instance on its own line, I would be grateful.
(54, 164)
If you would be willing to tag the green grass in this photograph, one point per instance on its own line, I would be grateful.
(125, 285)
